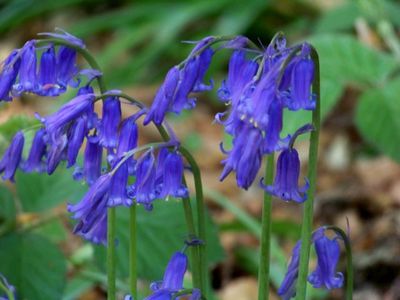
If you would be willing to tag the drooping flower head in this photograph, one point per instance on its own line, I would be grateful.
(325, 275)
(48, 85)
(35, 162)
(8, 75)
(170, 168)
(91, 211)
(12, 157)
(145, 185)
(92, 160)
(27, 79)
(110, 121)
(172, 281)
(180, 82)
(285, 185)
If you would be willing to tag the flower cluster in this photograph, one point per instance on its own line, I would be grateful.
(324, 275)
(109, 141)
(172, 282)
(257, 91)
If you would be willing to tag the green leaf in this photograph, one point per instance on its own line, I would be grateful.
(377, 118)
(346, 60)
(346, 13)
(161, 232)
(39, 192)
(7, 210)
(35, 266)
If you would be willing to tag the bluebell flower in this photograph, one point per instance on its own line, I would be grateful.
(8, 75)
(287, 289)
(56, 153)
(92, 160)
(328, 253)
(12, 157)
(110, 121)
(171, 169)
(8, 286)
(27, 81)
(204, 63)
(272, 140)
(145, 185)
(66, 67)
(91, 211)
(173, 280)
(57, 122)
(48, 83)
(245, 156)
(35, 162)
(325, 275)
(164, 98)
(127, 141)
(285, 184)
(63, 35)
(76, 135)
(302, 77)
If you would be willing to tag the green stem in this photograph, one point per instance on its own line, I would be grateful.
(266, 224)
(306, 229)
(111, 266)
(201, 220)
(132, 251)
(349, 261)
(187, 207)
(9, 293)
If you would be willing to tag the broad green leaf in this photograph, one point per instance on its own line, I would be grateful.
(377, 118)
(161, 232)
(346, 60)
(7, 209)
(346, 13)
(39, 192)
(35, 266)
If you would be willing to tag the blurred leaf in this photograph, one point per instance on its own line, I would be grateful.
(39, 192)
(77, 286)
(7, 207)
(161, 232)
(15, 123)
(35, 266)
(346, 13)
(377, 118)
(346, 60)
(54, 231)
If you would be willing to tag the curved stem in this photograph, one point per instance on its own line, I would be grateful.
(266, 224)
(306, 228)
(111, 268)
(349, 261)
(132, 251)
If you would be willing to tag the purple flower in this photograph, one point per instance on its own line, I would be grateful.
(302, 76)
(27, 81)
(8, 75)
(164, 98)
(92, 160)
(110, 122)
(145, 185)
(56, 153)
(285, 185)
(171, 173)
(55, 123)
(67, 37)
(204, 62)
(35, 162)
(66, 67)
(328, 253)
(12, 157)
(48, 85)
(76, 136)
(91, 211)
(245, 157)
(173, 280)
(287, 289)
(272, 140)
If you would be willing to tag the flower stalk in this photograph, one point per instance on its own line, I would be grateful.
(306, 229)
(266, 224)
